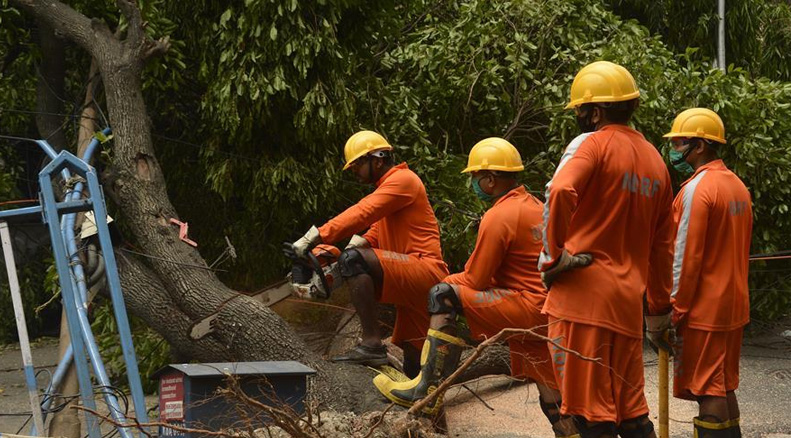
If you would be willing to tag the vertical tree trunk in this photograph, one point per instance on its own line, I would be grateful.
(50, 89)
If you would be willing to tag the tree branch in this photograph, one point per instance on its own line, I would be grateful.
(62, 18)
(136, 38)
(156, 48)
(134, 34)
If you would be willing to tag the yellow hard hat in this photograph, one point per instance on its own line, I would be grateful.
(494, 153)
(698, 123)
(363, 143)
(602, 81)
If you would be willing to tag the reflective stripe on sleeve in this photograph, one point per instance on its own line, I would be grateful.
(544, 258)
(683, 229)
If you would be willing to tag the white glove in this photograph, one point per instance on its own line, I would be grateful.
(358, 241)
(564, 263)
(307, 242)
(657, 330)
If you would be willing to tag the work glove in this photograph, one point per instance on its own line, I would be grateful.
(358, 241)
(304, 244)
(565, 262)
(659, 333)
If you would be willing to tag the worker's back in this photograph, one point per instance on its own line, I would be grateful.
(713, 211)
(612, 190)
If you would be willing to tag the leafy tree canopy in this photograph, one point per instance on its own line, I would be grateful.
(251, 107)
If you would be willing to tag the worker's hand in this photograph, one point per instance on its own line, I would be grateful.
(358, 242)
(305, 243)
(659, 333)
(564, 263)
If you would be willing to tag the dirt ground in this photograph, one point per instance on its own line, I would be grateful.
(507, 408)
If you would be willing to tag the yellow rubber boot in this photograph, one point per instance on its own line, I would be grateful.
(439, 358)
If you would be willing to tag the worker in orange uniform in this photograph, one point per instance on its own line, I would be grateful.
(499, 288)
(608, 240)
(396, 261)
(711, 302)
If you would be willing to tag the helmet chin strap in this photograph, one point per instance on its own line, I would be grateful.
(684, 155)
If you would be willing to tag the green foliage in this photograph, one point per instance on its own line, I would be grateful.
(279, 105)
(758, 32)
(150, 348)
(31, 277)
(251, 107)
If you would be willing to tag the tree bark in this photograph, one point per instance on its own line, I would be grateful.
(172, 288)
(51, 87)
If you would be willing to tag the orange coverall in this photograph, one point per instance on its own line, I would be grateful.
(610, 197)
(404, 234)
(501, 287)
(711, 302)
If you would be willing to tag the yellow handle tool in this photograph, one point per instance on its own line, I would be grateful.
(664, 419)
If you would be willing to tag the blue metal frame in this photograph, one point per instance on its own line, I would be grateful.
(73, 284)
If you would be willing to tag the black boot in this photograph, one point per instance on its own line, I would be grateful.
(552, 412)
(735, 429)
(711, 429)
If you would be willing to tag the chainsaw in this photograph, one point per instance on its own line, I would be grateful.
(316, 275)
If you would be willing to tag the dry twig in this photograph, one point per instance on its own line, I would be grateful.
(378, 421)
(502, 335)
(142, 426)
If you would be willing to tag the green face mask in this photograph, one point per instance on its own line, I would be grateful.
(483, 196)
(678, 160)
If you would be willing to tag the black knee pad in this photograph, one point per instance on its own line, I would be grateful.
(640, 427)
(595, 430)
(352, 263)
(436, 300)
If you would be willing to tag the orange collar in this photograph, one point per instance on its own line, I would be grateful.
(516, 191)
(717, 164)
(618, 127)
(390, 172)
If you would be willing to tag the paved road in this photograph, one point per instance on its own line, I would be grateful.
(13, 393)
(764, 394)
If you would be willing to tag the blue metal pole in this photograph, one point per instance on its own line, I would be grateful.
(57, 377)
(114, 282)
(52, 154)
(69, 299)
(78, 281)
(63, 365)
(96, 360)
(119, 307)
(88, 153)
(47, 148)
